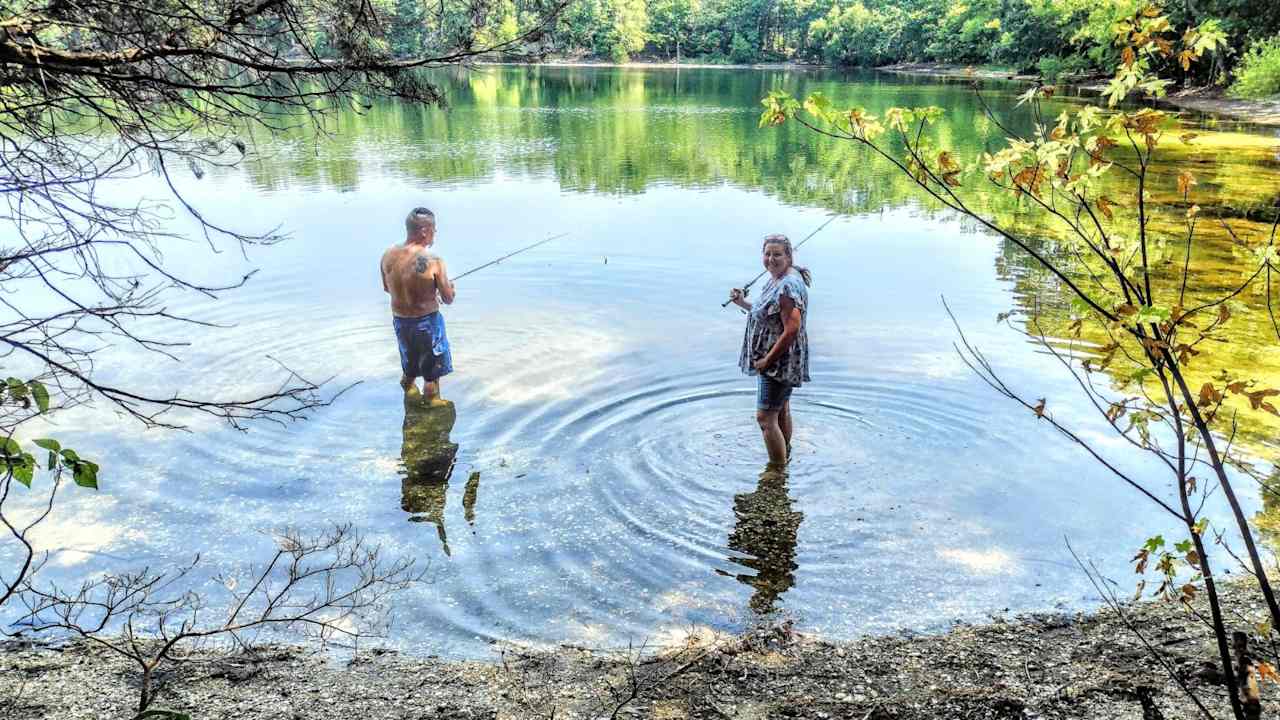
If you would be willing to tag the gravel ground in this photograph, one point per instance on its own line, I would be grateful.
(1052, 666)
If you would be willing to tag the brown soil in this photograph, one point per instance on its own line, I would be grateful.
(1064, 667)
(1210, 101)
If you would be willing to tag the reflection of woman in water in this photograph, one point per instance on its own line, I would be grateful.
(766, 528)
(775, 346)
(428, 458)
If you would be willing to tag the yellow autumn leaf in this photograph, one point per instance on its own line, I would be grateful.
(1104, 206)
(1185, 182)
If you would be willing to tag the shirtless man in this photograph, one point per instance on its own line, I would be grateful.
(417, 281)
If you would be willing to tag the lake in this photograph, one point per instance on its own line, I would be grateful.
(619, 494)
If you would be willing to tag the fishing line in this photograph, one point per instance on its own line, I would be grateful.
(747, 287)
(456, 278)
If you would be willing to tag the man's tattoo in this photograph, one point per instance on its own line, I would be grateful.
(421, 265)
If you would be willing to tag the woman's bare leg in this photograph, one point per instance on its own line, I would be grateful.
(774, 442)
(784, 424)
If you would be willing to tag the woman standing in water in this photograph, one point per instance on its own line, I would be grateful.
(775, 346)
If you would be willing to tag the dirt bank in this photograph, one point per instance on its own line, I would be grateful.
(1210, 101)
(1065, 667)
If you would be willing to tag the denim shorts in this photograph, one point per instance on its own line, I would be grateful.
(424, 347)
(771, 394)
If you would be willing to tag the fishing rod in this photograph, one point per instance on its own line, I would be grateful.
(747, 287)
(456, 278)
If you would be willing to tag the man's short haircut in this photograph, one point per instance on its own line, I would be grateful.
(419, 217)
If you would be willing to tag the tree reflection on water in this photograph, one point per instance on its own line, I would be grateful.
(766, 528)
(428, 457)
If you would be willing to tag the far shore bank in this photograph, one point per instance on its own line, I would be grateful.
(1206, 100)
(1066, 667)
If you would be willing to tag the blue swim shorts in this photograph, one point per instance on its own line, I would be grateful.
(771, 394)
(424, 347)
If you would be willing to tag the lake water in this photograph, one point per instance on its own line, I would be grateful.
(596, 391)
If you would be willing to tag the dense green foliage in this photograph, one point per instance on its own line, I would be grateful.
(1069, 35)
(1259, 73)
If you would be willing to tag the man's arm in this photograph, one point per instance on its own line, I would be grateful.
(382, 270)
(442, 282)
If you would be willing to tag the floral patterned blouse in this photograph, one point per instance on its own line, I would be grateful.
(764, 327)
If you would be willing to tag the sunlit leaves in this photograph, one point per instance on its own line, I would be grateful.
(1104, 205)
(1028, 96)
(898, 119)
(21, 465)
(40, 394)
(25, 394)
(1088, 118)
(818, 105)
(1206, 38)
(1257, 400)
(1186, 181)
(1209, 396)
(867, 127)
(853, 123)
(1155, 555)
(85, 474)
(17, 463)
(779, 106)
(948, 169)
(1148, 35)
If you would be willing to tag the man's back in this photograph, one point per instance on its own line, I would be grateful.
(409, 273)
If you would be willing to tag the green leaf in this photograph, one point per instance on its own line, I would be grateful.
(10, 447)
(25, 470)
(1155, 86)
(1137, 376)
(818, 105)
(40, 394)
(53, 460)
(48, 444)
(1151, 314)
(70, 456)
(17, 388)
(86, 474)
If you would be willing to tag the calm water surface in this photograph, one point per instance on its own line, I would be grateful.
(619, 494)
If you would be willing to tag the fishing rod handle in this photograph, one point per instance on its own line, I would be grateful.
(745, 289)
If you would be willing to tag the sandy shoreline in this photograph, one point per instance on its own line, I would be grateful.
(1039, 666)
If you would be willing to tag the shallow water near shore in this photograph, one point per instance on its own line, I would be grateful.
(619, 495)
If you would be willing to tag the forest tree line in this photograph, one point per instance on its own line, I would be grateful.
(1053, 37)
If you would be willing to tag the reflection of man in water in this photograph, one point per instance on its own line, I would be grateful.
(418, 282)
(428, 458)
(766, 528)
